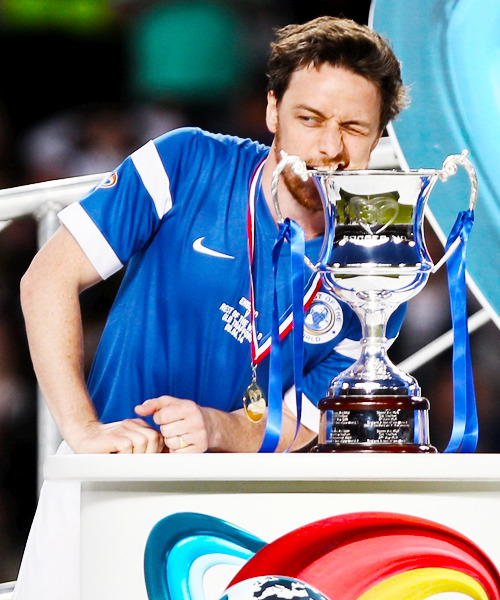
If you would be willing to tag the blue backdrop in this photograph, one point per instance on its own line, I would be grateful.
(450, 55)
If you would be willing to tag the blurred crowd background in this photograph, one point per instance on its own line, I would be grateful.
(85, 82)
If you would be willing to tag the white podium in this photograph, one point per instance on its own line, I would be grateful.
(123, 497)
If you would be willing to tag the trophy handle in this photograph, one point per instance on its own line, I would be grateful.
(297, 165)
(450, 168)
(299, 168)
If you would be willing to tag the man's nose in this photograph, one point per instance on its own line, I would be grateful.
(332, 148)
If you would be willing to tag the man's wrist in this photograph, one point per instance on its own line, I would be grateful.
(232, 431)
(77, 432)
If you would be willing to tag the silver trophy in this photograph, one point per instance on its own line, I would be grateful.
(374, 258)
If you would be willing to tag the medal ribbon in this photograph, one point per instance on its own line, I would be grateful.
(259, 352)
(293, 233)
(464, 433)
(254, 345)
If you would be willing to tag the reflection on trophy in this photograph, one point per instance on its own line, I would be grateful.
(374, 258)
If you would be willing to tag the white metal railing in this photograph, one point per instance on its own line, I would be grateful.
(43, 201)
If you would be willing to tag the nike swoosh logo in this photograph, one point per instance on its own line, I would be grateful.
(199, 247)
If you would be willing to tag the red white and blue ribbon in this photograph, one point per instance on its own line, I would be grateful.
(291, 232)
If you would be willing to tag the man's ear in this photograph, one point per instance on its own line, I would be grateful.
(272, 112)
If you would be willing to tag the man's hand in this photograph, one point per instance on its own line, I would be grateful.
(187, 427)
(182, 423)
(132, 436)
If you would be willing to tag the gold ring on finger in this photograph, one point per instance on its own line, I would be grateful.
(182, 443)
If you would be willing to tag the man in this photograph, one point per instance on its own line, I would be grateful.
(175, 358)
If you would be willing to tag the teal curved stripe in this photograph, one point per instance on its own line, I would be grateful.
(450, 55)
(181, 547)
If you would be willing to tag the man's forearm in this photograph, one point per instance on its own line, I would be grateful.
(234, 432)
(53, 327)
(53, 324)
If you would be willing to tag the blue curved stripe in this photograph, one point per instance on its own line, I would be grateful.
(178, 541)
(186, 578)
(204, 564)
(450, 55)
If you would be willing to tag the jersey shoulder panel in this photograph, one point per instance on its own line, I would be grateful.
(193, 151)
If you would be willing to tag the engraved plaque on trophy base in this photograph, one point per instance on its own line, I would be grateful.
(374, 424)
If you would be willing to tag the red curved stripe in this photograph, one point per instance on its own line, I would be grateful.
(345, 555)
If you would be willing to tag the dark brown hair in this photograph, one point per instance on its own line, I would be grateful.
(340, 43)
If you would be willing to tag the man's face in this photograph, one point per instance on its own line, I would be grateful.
(329, 116)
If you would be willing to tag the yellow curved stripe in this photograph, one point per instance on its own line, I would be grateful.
(422, 583)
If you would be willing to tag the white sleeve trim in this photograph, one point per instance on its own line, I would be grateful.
(91, 240)
(310, 413)
(349, 348)
(148, 163)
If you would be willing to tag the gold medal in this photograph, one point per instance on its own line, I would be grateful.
(254, 401)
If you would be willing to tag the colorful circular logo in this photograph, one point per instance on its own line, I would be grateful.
(353, 556)
(272, 587)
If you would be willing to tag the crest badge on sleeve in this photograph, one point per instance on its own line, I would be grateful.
(110, 181)
(323, 320)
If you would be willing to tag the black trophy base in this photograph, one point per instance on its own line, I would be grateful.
(372, 448)
(374, 424)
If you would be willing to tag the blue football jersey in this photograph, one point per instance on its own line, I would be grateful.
(176, 214)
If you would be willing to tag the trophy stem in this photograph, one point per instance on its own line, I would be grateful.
(373, 372)
(374, 357)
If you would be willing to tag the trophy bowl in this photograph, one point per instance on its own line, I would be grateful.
(374, 258)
